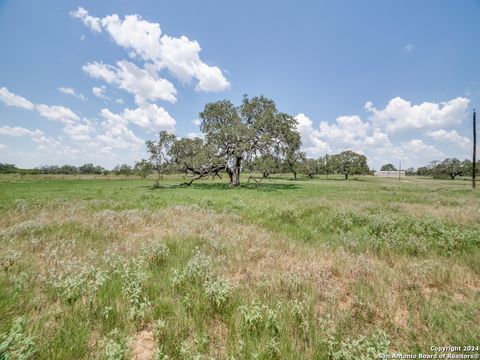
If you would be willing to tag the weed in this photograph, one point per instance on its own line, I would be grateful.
(258, 317)
(361, 348)
(155, 251)
(133, 274)
(17, 344)
(217, 291)
(115, 347)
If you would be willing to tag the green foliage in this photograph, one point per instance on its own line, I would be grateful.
(388, 167)
(450, 168)
(17, 344)
(258, 317)
(196, 158)
(266, 165)
(159, 153)
(246, 132)
(8, 168)
(309, 167)
(115, 347)
(361, 348)
(349, 163)
(217, 291)
(133, 275)
(123, 169)
(198, 271)
(155, 251)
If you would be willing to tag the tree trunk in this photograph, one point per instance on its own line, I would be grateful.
(236, 172)
(346, 176)
(294, 175)
(230, 175)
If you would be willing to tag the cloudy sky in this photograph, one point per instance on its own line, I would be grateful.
(90, 81)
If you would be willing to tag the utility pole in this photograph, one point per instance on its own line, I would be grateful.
(474, 158)
(399, 170)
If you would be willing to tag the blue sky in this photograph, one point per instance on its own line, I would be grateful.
(81, 82)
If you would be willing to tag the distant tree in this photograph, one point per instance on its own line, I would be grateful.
(293, 162)
(388, 167)
(8, 168)
(91, 169)
(293, 157)
(248, 131)
(142, 168)
(424, 171)
(159, 152)
(309, 167)
(266, 165)
(68, 170)
(123, 169)
(410, 171)
(450, 167)
(325, 165)
(86, 169)
(349, 163)
(468, 167)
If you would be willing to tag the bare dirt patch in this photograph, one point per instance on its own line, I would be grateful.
(143, 345)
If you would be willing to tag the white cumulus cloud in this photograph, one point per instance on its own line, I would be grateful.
(99, 91)
(20, 131)
(401, 115)
(452, 137)
(144, 39)
(79, 131)
(151, 118)
(57, 113)
(117, 134)
(312, 143)
(92, 22)
(11, 99)
(72, 92)
(134, 80)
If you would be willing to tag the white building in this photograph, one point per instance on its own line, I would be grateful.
(395, 173)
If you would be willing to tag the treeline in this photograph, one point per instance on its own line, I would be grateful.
(345, 163)
(448, 169)
(86, 169)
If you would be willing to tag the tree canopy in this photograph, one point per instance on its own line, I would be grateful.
(242, 133)
(388, 167)
(349, 163)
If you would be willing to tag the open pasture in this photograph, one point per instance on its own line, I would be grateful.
(311, 269)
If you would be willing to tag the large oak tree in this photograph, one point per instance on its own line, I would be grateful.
(242, 133)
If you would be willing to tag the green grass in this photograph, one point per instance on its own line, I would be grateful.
(319, 269)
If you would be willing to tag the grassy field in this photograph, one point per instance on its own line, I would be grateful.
(318, 269)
